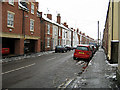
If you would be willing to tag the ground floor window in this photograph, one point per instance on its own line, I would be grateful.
(48, 42)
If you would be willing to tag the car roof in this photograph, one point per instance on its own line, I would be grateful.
(85, 45)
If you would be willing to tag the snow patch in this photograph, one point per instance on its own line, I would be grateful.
(113, 65)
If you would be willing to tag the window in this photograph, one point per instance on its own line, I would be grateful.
(64, 33)
(48, 42)
(59, 32)
(31, 25)
(82, 48)
(10, 19)
(48, 29)
(11, 2)
(32, 8)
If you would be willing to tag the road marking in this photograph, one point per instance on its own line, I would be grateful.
(51, 59)
(18, 68)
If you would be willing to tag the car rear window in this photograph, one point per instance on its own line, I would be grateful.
(82, 48)
(59, 46)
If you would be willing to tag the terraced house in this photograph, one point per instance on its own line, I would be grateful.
(20, 27)
(111, 37)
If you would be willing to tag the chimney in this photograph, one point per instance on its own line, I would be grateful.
(64, 24)
(41, 14)
(58, 18)
(77, 30)
(80, 32)
(67, 26)
(49, 16)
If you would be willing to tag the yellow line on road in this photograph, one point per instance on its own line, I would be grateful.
(19, 68)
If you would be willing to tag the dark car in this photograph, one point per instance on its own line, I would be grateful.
(60, 48)
(68, 47)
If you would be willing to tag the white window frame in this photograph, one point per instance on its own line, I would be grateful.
(48, 42)
(10, 19)
(11, 2)
(48, 28)
(32, 8)
(31, 25)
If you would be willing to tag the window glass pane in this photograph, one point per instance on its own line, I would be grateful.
(82, 48)
(10, 19)
(31, 25)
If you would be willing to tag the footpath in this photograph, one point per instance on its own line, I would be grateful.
(15, 58)
(99, 74)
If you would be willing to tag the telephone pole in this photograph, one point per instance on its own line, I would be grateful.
(98, 33)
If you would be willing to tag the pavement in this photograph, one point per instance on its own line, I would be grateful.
(25, 56)
(99, 74)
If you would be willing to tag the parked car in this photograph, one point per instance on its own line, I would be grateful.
(5, 51)
(68, 47)
(82, 52)
(60, 48)
(93, 48)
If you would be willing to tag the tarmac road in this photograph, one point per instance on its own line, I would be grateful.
(46, 71)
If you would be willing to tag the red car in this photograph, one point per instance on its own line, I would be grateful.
(82, 52)
(5, 51)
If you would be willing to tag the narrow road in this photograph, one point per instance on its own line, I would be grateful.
(47, 71)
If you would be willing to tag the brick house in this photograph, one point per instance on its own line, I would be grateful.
(83, 38)
(20, 27)
(46, 32)
(51, 32)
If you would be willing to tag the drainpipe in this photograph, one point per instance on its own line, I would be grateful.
(44, 35)
(23, 28)
(112, 16)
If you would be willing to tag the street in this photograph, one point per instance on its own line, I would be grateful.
(47, 71)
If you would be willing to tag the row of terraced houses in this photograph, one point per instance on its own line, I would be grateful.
(24, 27)
(111, 34)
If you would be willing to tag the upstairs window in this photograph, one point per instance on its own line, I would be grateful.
(31, 25)
(32, 8)
(11, 2)
(48, 29)
(59, 32)
(10, 19)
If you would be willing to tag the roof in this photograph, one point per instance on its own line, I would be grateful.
(53, 22)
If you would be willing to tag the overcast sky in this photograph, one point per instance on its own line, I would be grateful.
(82, 14)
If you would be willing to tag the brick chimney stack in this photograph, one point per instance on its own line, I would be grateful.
(58, 18)
(65, 24)
(77, 30)
(49, 16)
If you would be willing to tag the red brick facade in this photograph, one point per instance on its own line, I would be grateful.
(21, 28)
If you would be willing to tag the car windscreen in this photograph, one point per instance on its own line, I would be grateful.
(82, 48)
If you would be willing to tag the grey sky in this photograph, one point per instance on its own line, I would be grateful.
(82, 14)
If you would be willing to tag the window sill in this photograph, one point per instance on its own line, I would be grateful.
(32, 13)
(10, 26)
(12, 4)
(31, 31)
(48, 46)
